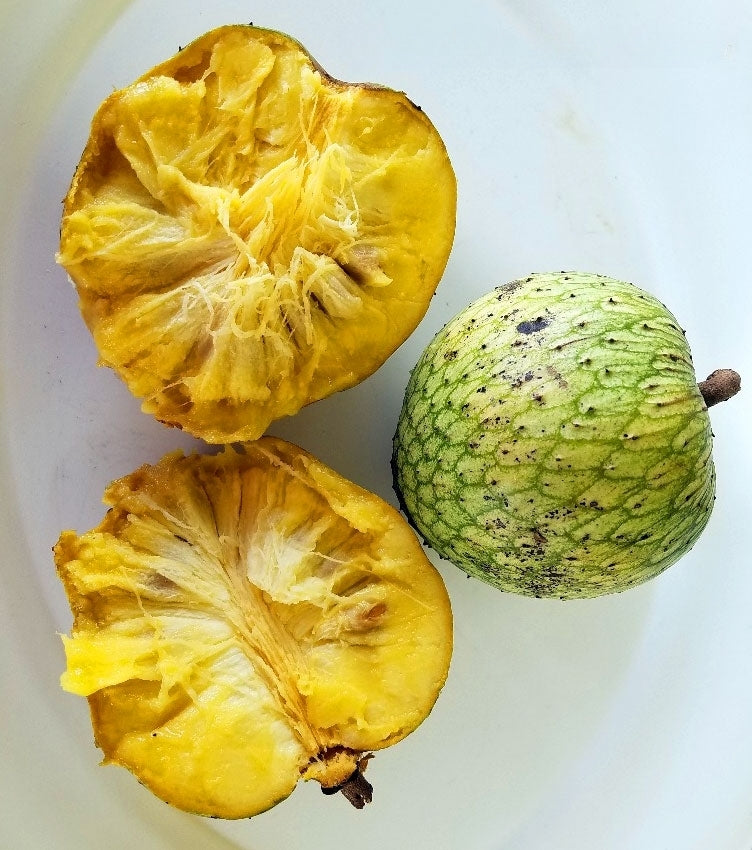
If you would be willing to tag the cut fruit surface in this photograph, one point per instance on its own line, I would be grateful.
(246, 620)
(248, 235)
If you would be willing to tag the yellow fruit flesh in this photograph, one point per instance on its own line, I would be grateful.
(245, 620)
(248, 235)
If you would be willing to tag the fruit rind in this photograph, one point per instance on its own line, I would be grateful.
(553, 440)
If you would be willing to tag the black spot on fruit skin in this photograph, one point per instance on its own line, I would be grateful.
(533, 326)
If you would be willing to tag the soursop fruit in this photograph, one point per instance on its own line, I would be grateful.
(554, 440)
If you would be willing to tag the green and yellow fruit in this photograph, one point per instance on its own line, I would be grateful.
(554, 441)
(247, 620)
(248, 235)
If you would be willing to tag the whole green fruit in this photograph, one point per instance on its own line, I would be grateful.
(554, 441)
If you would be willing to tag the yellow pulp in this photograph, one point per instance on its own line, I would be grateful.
(248, 235)
(248, 619)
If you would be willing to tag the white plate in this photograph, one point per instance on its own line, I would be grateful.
(603, 136)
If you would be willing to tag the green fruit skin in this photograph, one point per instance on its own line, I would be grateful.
(553, 441)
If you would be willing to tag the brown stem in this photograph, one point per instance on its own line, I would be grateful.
(356, 788)
(720, 386)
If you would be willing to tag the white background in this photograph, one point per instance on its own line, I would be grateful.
(599, 136)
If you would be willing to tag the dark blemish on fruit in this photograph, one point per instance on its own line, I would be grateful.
(557, 376)
(539, 537)
(508, 288)
(533, 326)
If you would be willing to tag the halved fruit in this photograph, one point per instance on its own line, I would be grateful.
(248, 235)
(249, 619)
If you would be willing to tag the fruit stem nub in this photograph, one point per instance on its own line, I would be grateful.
(720, 386)
(356, 788)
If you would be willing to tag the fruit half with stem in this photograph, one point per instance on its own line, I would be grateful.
(246, 620)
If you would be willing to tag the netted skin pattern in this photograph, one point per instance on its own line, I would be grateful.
(553, 440)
